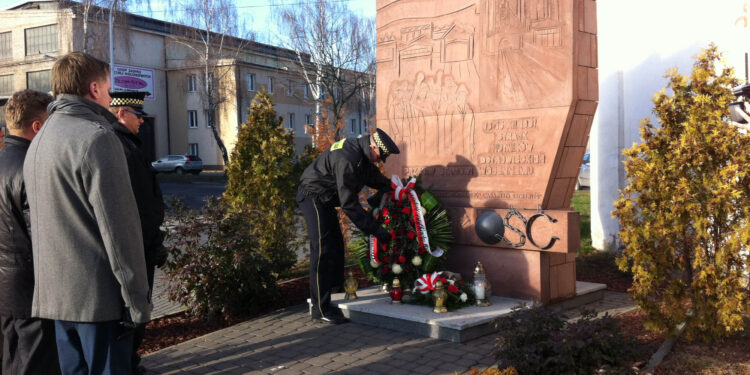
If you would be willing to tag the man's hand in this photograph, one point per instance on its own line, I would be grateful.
(383, 236)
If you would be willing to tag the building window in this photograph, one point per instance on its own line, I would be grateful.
(207, 113)
(6, 48)
(251, 82)
(307, 91)
(192, 119)
(39, 81)
(193, 149)
(270, 85)
(41, 39)
(192, 82)
(6, 85)
(289, 91)
(353, 126)
(290, 124)
(307, 121)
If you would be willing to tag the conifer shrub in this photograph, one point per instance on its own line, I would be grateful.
(214, 267)
(684, 214)
(262, 181)
(538, 340)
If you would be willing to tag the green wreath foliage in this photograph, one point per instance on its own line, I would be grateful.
(404, 248)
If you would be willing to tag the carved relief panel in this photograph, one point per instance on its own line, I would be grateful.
(481, 95)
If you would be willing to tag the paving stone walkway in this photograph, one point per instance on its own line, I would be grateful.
(286, 342)
(162, 305)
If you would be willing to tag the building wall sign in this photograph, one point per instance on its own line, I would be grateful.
(131, 78)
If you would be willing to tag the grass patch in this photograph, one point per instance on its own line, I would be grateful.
(582, 203)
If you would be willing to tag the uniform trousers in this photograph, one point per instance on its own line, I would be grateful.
(326, 253)
(29, 346)
(94, 348)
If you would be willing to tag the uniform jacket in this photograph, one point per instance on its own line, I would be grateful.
(337, 176)
(88, 249)
(146, 189)
(16, 267)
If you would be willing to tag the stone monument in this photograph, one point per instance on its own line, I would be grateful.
(491, 102)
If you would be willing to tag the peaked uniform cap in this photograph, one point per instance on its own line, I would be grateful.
(385, 144)
(133, 99)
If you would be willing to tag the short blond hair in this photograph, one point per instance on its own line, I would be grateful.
(24, 107)
(72, 73)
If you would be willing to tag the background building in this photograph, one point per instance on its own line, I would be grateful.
(155, 56)
(638, 41)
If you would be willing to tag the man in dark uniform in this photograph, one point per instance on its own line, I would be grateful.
(128, 108)
(335, 179)
(29, 346)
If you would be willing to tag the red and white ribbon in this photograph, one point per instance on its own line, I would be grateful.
(406, 192)
(426, 283)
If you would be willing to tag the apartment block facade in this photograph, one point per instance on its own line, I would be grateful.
(154, 56)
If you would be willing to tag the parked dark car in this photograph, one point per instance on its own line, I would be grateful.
(179, 164)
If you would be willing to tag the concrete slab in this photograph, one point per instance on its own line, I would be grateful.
(374, 308)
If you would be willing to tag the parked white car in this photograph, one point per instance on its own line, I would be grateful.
(179, 164)
(583, 173)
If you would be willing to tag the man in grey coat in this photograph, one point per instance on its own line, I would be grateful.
(89, 267)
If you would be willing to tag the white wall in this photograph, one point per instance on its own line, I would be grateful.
(638, 41)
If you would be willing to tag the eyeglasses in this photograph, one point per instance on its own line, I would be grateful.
(140, 115)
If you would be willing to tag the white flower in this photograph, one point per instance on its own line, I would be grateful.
(417, 261)
(463, 297)
(374, 264)
(397, 269)
(424, 211)
(451, 281)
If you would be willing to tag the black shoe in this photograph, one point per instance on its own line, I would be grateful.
(332, 319)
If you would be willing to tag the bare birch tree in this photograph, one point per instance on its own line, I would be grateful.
(215, 37)
(335, 51)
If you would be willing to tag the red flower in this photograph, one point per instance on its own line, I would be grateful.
(387, 259)
(385, 212)
(383, 247)
(422, 250)
(386, 269)
(444, 280)
(406, 210)
(411, 235)
(393, 235)
(452, 288)
(387, 221)
(402, 259)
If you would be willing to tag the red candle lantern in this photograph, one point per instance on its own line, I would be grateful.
(396, 292)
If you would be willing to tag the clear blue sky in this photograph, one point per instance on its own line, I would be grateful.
(256, 13)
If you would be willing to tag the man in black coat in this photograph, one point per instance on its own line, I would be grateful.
(128, 108)
(29, 344)
(335, 179)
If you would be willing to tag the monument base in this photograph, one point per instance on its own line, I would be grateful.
(523, 274)
(374, 308)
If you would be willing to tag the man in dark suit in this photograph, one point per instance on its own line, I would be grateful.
(128, 108)
(29, 346)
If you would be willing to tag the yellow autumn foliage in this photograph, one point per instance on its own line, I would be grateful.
(685, 214)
